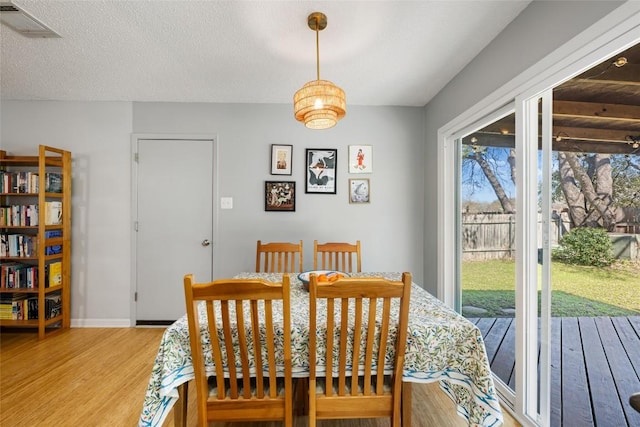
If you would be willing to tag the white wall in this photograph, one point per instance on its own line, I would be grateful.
(540, 29)
(99, 133)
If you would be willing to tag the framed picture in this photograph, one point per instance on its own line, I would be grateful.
(359, 190)
(321, 170)
(360, 159)
(281, 159)
(280, 196)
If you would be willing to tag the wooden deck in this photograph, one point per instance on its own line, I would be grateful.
(595, 367)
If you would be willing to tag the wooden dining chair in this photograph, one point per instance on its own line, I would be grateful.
(337, 256)
(237, 316)
(279, 257)
(357, 317)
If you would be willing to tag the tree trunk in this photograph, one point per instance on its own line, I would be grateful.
(572, 193)
(507, 207)
(602, 204)
(512, 164)
(604, 186)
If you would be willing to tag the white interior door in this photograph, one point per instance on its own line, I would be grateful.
(174, 223)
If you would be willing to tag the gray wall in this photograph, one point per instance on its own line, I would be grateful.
(386, 227)
(539, 30)
(99, 135)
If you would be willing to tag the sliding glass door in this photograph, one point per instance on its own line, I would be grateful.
(503, 248)
(521, 249)
(487, 251)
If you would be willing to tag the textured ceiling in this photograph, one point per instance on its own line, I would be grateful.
(379, 52)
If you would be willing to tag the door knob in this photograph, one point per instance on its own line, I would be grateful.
(205, 242)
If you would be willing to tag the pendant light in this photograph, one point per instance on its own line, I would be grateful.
(319, 104)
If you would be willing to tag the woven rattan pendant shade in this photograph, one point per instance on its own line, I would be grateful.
(319, 104)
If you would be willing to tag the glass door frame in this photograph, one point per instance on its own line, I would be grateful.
(534, 122)
(454, 293)
(613, 33)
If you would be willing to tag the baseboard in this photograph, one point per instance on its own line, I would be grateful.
(154, 322)
(101, 323)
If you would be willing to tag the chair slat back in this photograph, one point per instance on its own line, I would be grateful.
(360, 316)
(279, 257)
(337, 256)
(238, 317)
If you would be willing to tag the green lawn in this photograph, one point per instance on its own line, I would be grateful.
(576, 290)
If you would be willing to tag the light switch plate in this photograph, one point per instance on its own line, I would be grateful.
(226, 203)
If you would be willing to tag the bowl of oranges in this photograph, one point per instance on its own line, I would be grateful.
(323, 276)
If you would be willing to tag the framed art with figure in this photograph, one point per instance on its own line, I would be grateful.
(280, 196)
(321, 170)
(281, 159)
(360, 159)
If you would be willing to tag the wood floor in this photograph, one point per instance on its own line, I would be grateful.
(595, 367)
(98, 377)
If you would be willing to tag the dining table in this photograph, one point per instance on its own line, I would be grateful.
(441, 346)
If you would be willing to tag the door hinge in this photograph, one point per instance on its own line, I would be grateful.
(135, 225)
(136, 157)
(135, 297)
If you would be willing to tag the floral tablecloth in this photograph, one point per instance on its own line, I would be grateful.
(441, 346)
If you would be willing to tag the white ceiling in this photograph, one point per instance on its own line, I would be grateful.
(379, 52)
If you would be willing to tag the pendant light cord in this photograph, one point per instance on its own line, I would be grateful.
(317, 49)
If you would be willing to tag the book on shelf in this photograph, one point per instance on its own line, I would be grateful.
(53, 182)
(14, 275)
(13, 307)
(4, 245)
(32, 215)
(31, 308)
(55, 274)
(5, 182)
(6, 309)
(52, 305)
(22, 183)
(52, 249)
(19, 307)
(5, 306)
(53, 213)
(19, 215)
(19, 182)
(28, 182)
(23, 307)
(18, 245)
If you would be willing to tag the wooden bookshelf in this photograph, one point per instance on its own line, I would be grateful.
(26, 251)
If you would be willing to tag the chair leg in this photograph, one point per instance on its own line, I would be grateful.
(311, 392)
(301, 396)
(180, 407)
(406, 404)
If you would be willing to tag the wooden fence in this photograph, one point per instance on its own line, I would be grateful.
(492, 235)
(630, 222)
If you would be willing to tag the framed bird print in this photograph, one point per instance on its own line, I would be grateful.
(321, 170)
(359, 191)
